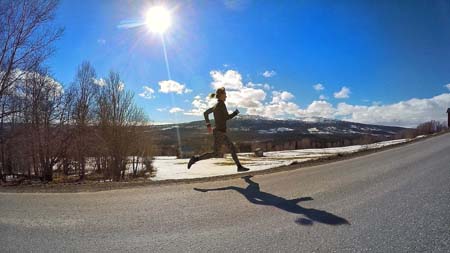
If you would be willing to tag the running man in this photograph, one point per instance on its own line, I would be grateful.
(220, 130)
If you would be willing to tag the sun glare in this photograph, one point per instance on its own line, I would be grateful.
(158, 19)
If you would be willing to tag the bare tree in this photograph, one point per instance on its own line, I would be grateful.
(26, 38)
(141, 150)
(85, 91)
(13, 153)
(46, 113)
(117, 115)
(431, 127)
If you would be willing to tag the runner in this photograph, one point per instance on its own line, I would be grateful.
(220, 130)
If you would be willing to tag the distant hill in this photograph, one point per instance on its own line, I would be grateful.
(251, 132)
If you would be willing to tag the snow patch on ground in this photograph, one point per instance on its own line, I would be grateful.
(275, 130)
(173, 168)
(314, 130)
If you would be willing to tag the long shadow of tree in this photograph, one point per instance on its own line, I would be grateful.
(256, 196)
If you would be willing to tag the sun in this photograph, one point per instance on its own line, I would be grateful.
(158, 19)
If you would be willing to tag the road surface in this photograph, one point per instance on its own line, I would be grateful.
(396, 200)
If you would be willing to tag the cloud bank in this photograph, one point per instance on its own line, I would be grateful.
(255, 99)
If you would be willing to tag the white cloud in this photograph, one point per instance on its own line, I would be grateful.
(269, 73)
(175, 110)
(281, 96)
(318, 109)
(100, 82)
(260, 85)
(246, 97)
(273, 110)
(17, 78)
(282, 109)
(318, 87)
(231, 79)
(447, 86)
(253, 85)
(200, 105)
(323, 97)
(161, 109)
(279, 106)
(408, 113)
(121, 86)
(343, 93)
(147, 93)
(168, 86)
(251, 97)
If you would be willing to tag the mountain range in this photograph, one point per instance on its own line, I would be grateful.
(250, 132)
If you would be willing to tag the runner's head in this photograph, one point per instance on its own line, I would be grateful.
(220, 94)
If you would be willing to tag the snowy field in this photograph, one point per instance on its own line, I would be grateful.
(168, 167)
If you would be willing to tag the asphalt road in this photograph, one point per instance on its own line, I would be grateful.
(396, 200)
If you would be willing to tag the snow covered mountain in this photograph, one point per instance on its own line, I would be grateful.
(304, 126)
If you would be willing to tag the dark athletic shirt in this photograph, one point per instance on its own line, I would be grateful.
(220, 115)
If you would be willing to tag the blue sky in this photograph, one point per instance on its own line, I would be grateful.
(380, 62)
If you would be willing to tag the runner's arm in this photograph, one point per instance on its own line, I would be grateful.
(206, 115)
(227, 115)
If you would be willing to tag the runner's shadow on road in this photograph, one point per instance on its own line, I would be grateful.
(256, 196)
